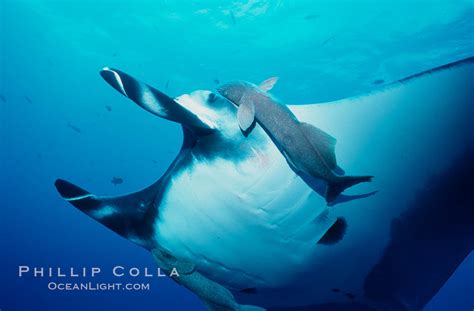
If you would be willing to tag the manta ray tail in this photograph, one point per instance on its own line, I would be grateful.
(131, 216)
(342, 183)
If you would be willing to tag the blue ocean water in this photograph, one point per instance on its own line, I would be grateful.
(59, 119)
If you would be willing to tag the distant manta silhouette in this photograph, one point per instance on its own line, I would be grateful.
(247, 233)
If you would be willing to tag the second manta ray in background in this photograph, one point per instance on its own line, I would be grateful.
(308, 149)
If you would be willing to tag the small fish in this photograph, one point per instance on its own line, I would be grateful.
(116, 180)
(378, 81)
(232, 16)
(3, 98)
(327, 41)
(154, 161)
(28, 99)
(167, 84)
(108, 108)
(311, 16)
(74, 128)
(50, 63)
(216, 81)
(114, 55)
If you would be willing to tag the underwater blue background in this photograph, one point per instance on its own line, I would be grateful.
(55, 119)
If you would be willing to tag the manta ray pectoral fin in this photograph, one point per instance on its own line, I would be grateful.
(268, 84)
(246, 113)
(131, 216)
(154, 101)
(323, 142)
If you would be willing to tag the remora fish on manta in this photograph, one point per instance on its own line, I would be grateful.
(307, 148)
(243, 228)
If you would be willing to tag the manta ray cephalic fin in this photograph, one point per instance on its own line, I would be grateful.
(130, 215)
(154, 101)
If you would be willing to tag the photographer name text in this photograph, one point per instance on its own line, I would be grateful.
(85, 272)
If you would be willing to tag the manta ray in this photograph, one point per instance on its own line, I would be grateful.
(248, 233)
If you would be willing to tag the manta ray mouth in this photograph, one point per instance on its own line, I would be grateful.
(155, 102)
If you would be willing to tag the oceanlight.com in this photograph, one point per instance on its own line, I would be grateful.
(91, 286)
